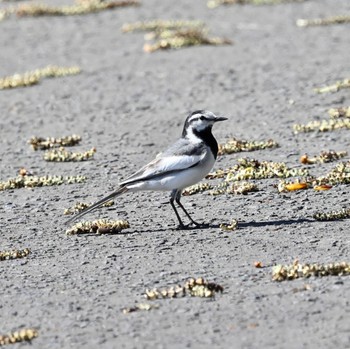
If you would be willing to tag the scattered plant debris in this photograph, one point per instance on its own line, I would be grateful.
(240, 188)
(339, 85)
(35, 181)
(340, 174)
(229, 227)
(235, 145)
(18, 80)
(333, 215)
(323, 21)
(258, 264)
(296, 270)
(325, 156)
(100, 226)
(254, 169)
(81, 8)
(140, 306)
(79, 206)
(24, 172)
(197, 188)
(33, 77)
(14, 254)
(175, 39)
(40, 143)
(342, 112)
(171, 292)
(174, 34)
(19, 336)
(63, 155)
(322, 125)
(322, 187)
(284, 186)
(193, 287)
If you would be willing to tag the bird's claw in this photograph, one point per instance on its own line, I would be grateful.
(192, 225)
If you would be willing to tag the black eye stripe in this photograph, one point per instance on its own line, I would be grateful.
(198, 117)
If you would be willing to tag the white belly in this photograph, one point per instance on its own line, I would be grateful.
(178, 180)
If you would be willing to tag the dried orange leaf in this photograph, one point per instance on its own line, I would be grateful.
(258, 264)
(304, 159)
(322, 187)
(296, 186)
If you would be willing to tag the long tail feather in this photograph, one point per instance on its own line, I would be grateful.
(118, 192)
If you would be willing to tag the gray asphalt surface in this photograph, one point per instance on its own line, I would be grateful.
(131, 105)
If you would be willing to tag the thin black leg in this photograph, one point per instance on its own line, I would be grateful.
(181, 225)
(187, 214)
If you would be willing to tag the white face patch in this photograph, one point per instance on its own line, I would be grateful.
(201, 121)
(192, 137)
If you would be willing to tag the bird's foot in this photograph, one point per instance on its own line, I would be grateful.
(199, 225)
(192, 225)
(202, 225)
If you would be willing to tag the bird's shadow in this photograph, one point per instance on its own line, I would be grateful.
(276, 223)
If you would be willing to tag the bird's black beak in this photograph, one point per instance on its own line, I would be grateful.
(220, 118)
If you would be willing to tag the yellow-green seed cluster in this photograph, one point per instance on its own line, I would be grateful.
(63, 155)
(340, 174)
(333, 215)
(33, 77)
(100, 226)
(26, 334)
(216, 3)
(236, 145)
(193, 287)
(323, 21)
(41, 143)
(339, 85)
(342, 112)
(229, 227)
(80, 8)
(35, 181)
(325, 156)
(80, 206)
(296, 270)
(173, 34)
(197, 188)
(322, 125)
(237, 188)
(242, 188)
(18, 80)
(14, 254)
(255, 169)
(175, 39)
(339, 118)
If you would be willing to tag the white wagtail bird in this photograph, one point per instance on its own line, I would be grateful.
(183, 164)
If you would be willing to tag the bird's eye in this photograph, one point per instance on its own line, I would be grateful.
(202, 117)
